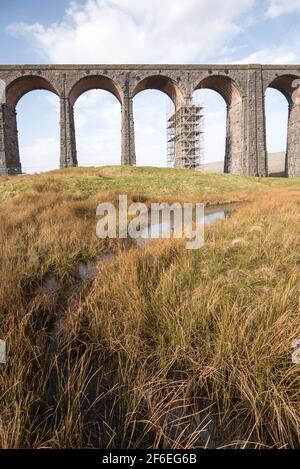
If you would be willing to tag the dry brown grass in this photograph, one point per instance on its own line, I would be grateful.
(165, 347)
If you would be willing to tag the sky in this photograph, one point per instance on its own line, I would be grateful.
(141, 31)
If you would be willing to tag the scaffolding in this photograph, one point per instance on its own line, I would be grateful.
(185, 144)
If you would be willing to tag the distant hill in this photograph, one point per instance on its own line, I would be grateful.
(276, 164)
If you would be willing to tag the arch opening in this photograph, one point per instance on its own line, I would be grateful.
(38, 131)
(150, 109)
(282, 99)
(23, 85)
(160, 83)
(285, 162)
(223, 85)
(155, 97)
(214, 128)
(288, 85)
(97, 119)
(94, 82)
(234, 160)
(277, 102)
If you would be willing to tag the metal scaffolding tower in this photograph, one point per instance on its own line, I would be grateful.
(185, 137)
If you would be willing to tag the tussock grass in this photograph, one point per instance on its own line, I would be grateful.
(165, 348)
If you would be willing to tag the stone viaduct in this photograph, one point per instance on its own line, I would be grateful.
(243, 88)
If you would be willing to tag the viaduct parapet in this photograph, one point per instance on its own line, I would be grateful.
(243, 88)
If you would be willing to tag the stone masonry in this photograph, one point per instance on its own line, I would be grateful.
(243, 88)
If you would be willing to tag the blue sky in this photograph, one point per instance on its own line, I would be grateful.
(139, 31)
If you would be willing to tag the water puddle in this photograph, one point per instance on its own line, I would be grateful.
(215, 216)
(50, 284)
(87, 270)
(167, 224)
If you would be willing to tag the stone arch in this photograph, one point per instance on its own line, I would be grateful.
(165, 85)
(223, 85)
(89, 83)
(95, 82)
(161, 83)
(15, 90)
(286, 85)
(235, 159)
(22, 85)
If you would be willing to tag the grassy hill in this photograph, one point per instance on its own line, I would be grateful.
(149, 181)
(160, 347)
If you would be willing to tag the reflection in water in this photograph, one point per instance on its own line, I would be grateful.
(86, 270)
(50, 285)
(165, 227)
(211, 218)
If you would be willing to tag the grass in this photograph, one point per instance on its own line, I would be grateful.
(165, 348)
(151, 182)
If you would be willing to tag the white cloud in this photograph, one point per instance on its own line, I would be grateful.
(124, 31)
(281, 7)
(41, 154)
(272, 55)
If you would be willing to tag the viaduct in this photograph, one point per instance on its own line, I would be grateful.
(243, 88)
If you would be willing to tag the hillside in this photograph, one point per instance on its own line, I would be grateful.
(276, 162)
(150, 181)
